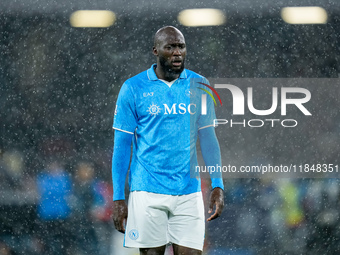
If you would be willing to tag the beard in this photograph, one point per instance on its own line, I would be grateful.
(168, 68)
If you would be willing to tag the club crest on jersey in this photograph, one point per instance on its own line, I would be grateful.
(188, 92)
(154, 109)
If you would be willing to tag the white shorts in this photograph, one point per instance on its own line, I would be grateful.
(155, 220)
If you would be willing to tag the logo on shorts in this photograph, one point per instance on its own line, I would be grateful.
(133, 234)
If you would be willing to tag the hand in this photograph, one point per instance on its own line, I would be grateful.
(217, 199)
(119, 215)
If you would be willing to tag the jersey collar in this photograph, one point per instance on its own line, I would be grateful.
(153, 77)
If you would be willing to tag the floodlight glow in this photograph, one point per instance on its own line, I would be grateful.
(304, 15)
(201, 17)
(92, 18)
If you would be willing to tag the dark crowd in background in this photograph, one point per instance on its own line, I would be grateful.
(58, 91)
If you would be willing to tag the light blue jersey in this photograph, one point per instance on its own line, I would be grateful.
(165, 119)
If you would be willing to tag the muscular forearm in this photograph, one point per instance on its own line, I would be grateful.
(211, 154)
(120, 163)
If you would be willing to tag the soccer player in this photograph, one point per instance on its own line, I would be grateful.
(158, 111)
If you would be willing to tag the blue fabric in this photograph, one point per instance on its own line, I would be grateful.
(211, 154)
(54, 190)
(165, 122)
(120, 163)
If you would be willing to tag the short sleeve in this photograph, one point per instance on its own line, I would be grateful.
(125, 116)
(207, 120)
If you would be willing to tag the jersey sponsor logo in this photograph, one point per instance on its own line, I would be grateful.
(173, 109)
(179, 109)
(154, 109)
(133, 234)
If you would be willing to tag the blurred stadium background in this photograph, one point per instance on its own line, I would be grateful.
(58, 85)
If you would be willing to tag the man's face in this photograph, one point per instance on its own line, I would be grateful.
(171, 52)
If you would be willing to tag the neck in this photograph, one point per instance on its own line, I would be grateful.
(165, 75)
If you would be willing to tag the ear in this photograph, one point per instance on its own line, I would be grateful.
(154, 51)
